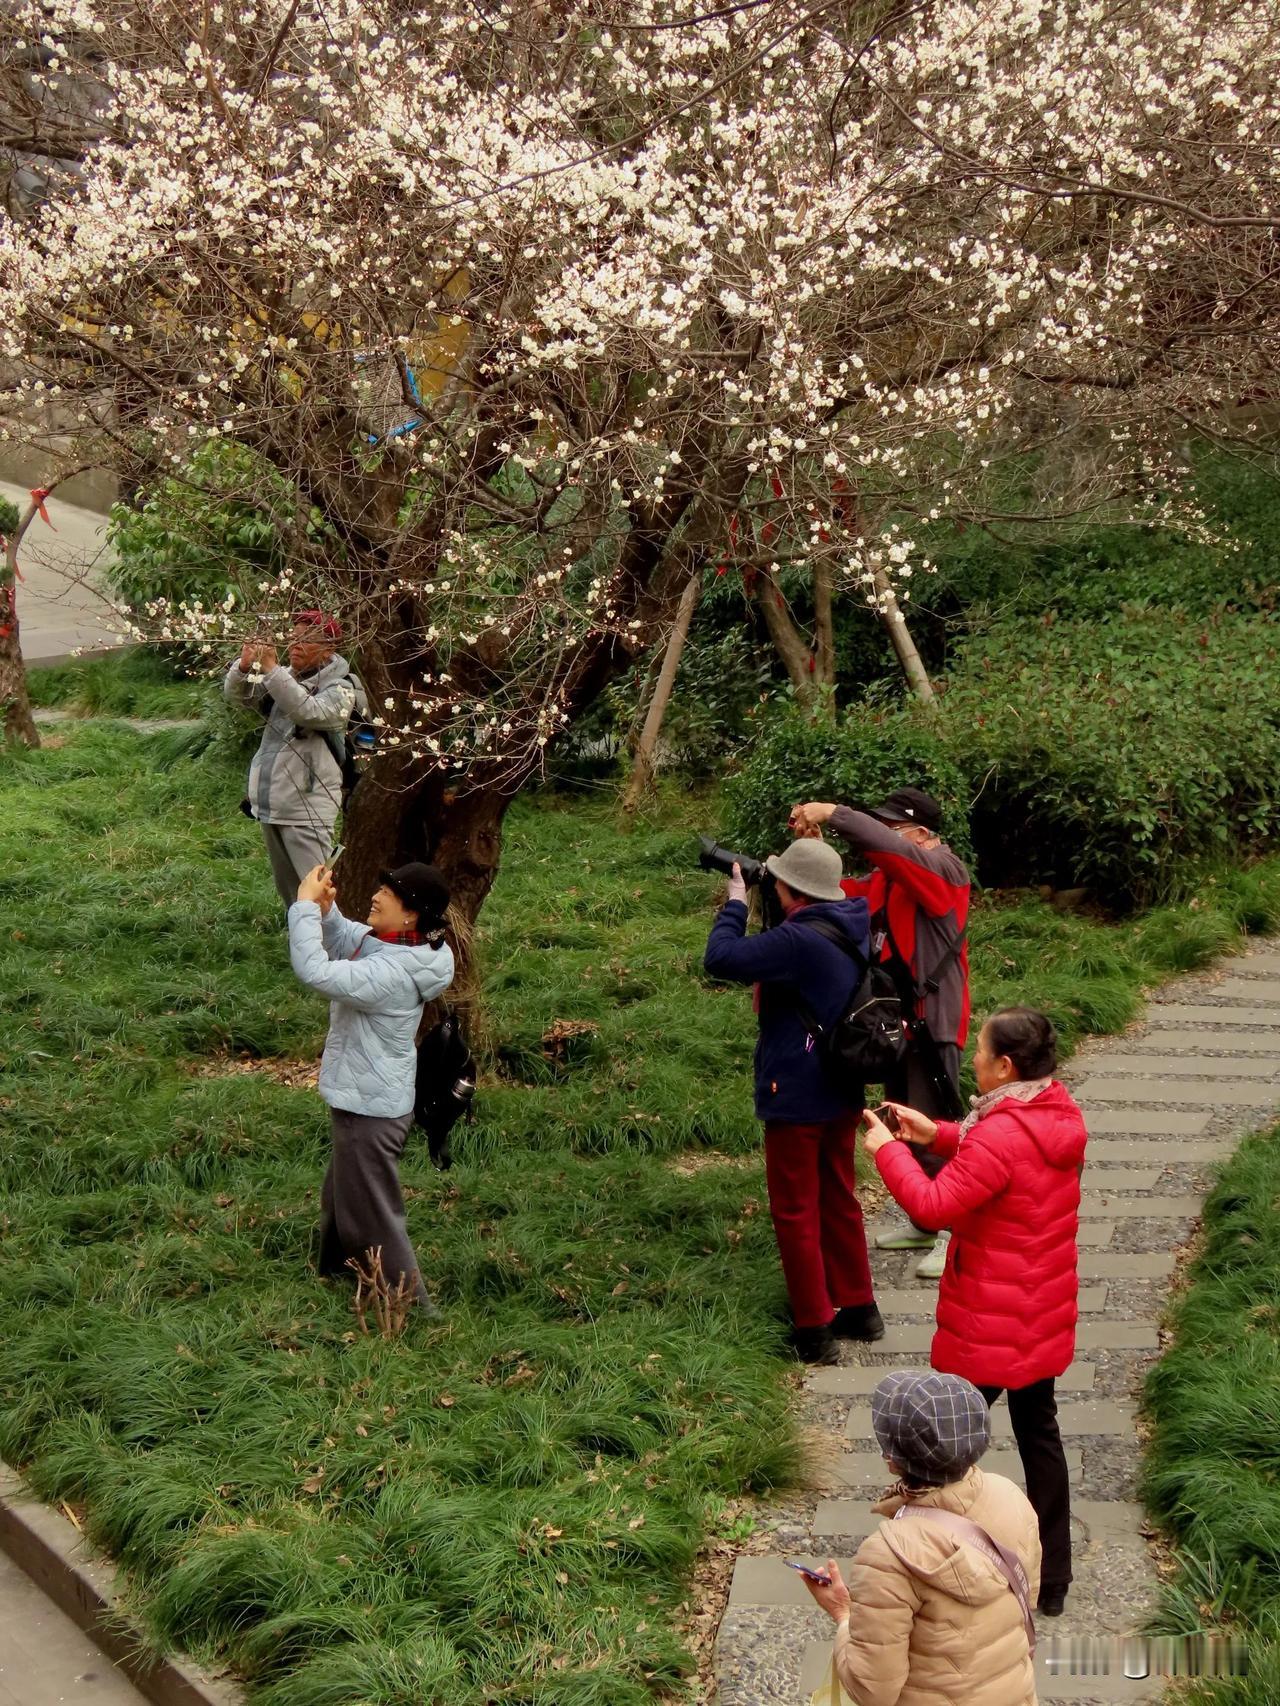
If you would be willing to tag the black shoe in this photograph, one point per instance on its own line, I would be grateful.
(859, 1321)
(1052, 1602)
(815, 1344)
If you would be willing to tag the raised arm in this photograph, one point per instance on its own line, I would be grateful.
(328, 709)
(918, 869)
(735, 957)
(367, 984)
(976, 1173)
(342, 936)
(238, 689)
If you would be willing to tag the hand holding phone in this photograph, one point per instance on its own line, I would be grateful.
(823, 1580)
(888, 1116)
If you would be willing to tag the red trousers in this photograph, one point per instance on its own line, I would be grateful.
(817, 1217)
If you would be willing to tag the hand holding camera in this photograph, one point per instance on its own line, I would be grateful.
(318, 885)
(893, 1119)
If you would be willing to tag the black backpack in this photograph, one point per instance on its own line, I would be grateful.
(445, 1086)
(868, 1040)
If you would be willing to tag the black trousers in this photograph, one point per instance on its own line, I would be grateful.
(1033, 1410)
(914, 1086)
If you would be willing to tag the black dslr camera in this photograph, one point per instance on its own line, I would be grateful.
(713, 857)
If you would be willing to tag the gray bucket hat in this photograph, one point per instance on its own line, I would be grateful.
(935, 1426)
(811, 868)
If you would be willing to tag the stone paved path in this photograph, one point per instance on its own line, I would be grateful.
(61, 604)
(1165, 1102)
(45, 1659)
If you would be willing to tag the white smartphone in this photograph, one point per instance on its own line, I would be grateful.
(333, 858)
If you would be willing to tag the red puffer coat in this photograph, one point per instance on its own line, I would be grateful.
(1010, 1193)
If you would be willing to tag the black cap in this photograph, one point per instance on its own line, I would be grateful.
(422, 889)
(909, 805)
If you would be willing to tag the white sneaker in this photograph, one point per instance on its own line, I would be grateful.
(933, 1261)
(899, 1232)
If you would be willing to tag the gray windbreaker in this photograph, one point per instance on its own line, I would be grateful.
(294, 779)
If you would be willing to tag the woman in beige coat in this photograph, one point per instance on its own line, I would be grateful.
(929, 1617)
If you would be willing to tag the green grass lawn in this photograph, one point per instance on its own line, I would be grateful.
(1213, 1466)
(503, 1506)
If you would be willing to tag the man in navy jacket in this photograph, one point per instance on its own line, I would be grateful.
(810, 1126)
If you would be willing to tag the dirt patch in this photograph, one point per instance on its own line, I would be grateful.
(689, 1165)
(296, 1074)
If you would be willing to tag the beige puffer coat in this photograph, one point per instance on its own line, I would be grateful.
(947, 1631)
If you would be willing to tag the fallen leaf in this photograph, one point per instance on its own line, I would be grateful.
(446, 1400)
(312, 1483)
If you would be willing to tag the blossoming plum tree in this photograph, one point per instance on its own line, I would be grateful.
(520, 318)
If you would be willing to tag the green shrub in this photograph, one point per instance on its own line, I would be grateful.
(1116, 756)
(9, 517)
(858, 757)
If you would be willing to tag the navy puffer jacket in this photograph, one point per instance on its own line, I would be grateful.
(788, 960)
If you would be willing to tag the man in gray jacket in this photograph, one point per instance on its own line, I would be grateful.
(295, 780)
(378, 976)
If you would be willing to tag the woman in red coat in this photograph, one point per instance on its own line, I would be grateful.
(1007, 1304)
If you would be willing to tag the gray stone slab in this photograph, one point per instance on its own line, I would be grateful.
(1262, 964)
(1261, 991)
(1099, 1178)
(1215, 1066)
(1161, 1013)
(867, 1468)
(1089, 1417)
(768, 1581)
(1109, 1522)
(1094, 1233)
(1146, 1090)
(1202, 1041)
(859, 1380)
(1124, 1264)
(915, 1337)
(1138, 1208)
(1196, 1150)
(1143, 1121)
(1116, 1336)
(921, 1299)
(1051, 1683)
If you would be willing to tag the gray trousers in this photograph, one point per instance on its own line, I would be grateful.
(361, 1207)
(913, 1086)
(293, 851)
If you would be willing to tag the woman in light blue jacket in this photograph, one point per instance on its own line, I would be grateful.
(378, 976)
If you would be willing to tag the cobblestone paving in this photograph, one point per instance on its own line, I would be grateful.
(1166, 1102)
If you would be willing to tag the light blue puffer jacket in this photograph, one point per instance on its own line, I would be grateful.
(377, 991)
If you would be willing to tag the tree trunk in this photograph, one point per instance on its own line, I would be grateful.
(19, 725)
(394, 819)
(786, 637)
(644, 762)
(824, 638)
(900, 636)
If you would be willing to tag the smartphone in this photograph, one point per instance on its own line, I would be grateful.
(333, 858)
(888, 1117)
(819, 1576)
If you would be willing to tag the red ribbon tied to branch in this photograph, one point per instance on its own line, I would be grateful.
(38, 495)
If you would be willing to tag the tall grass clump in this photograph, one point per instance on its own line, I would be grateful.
(1212, 1468)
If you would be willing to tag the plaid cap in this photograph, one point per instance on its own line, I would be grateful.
(935, 1426)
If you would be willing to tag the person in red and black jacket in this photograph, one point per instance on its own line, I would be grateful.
(918, 894)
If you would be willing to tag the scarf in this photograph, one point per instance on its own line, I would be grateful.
(1022, 1090)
